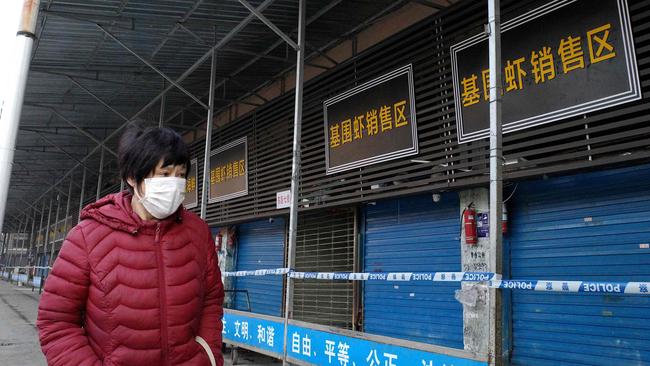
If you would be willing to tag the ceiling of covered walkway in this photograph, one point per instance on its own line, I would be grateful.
(98, 64)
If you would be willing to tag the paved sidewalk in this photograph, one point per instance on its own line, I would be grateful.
(18, 336)
(19, 339)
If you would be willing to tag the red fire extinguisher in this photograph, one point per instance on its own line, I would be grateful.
(469, 222)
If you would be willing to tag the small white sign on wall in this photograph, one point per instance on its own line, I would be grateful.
(283, 199)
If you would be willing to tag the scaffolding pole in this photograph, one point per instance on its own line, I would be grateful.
(13, 101)
(295, 173)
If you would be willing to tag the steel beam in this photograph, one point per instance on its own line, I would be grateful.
(188, 72)
(208, 137)
(56, 223)
(295, 173)
(311, 19)
(62, 150)
(67, 207)
(192, 34)
(270, 24)
(81, 195)
(40, 227)
(46, 240)
(30, 205)
(82, 131)
(101, 173)
(151, 66)
(97, 98)
(161, 117)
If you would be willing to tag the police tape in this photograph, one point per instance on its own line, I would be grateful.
(398, 276)
(372, 276)
(27, 267)
(574, 286)
(493, 280)
(258, 272)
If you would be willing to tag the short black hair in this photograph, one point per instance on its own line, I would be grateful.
(141, 149)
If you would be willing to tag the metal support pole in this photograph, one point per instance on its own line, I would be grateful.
(28, 250)
(208, 137)
(5, 236)
(40, 227)
(67, 208)
(496, 179)
(10, 250)
(23, 246)
(21, 230)
(56, 223)
(46, 242)
(295, 173)
(161, 118)
(101, 172)
(13, 101)
(81, 195)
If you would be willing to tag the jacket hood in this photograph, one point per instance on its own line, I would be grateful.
(115, 211)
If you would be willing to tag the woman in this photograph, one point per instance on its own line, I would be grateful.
(136, 282)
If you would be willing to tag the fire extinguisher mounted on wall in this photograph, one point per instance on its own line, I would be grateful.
(469, 223)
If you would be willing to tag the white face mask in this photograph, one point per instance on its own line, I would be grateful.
(162, 195)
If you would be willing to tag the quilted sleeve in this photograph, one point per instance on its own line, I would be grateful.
(63, 340)
(211, 325)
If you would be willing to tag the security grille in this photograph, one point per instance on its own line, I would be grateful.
(325, 243)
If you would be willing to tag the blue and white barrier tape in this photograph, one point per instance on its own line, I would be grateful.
(398, 276)
(372, 276)
(575, 286)
(493, 280)
(259, 272)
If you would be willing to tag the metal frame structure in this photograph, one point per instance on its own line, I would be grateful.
(108, 25)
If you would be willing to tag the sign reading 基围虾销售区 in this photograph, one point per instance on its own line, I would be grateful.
(563, 59)
(228, 171)
(371, 123)
(191, 192)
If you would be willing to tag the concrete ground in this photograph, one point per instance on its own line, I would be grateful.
(19, 339)
(18, 336)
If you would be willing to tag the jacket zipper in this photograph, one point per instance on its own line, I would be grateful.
(163, 298)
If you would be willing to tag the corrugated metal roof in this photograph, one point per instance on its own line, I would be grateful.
(172, 35)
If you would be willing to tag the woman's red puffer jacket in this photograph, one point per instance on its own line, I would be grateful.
(129, 292)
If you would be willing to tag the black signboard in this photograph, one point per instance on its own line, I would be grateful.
(229, 171)
(191, 191)
(371, 123)
(563, 59)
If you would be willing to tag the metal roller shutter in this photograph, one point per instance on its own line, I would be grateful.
(260, 245)
(590, 227)
(413, 234)
(325, 243)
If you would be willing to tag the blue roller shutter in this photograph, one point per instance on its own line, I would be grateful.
(260, 245)
(589, 227)
(413, 234)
